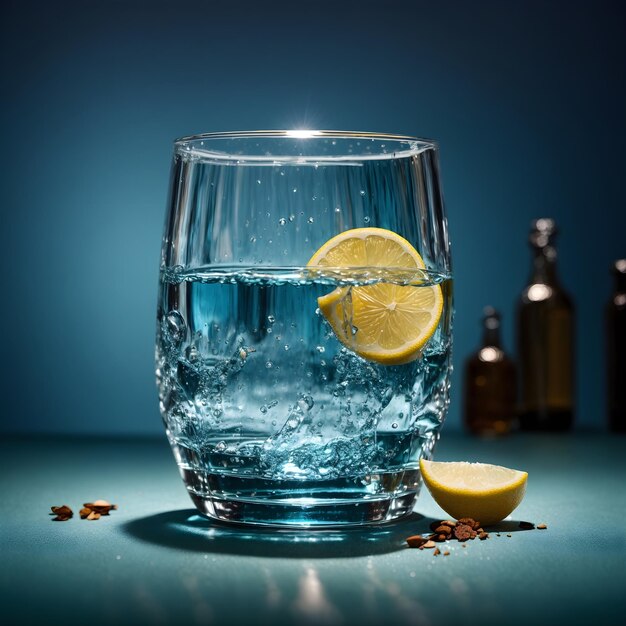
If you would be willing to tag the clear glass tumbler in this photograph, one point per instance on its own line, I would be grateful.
(273, 414)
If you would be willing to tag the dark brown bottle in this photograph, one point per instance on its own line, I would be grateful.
(490, 383)
(545, 339)
(616, 350)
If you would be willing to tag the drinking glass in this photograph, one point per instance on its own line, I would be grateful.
(271, 418)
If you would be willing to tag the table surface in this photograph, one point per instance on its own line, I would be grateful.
(154, 561)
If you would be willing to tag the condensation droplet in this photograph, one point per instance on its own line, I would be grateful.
(269, 365)
(394, 425)
(282, 221)
(310, 220)
(292, 218)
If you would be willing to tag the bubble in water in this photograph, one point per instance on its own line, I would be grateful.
(394, 425)
(306, 402)
(221, 446)
(320, 349)
(292, 218)
(271, 319)
(292, 423)
(337, 209)
(286, 347)
(258, 182)
(175, 327)
(362, 192)
(366, 219)
(310, 220)
(269, 365)
(252, 239)
(295, 190)
(282, 221)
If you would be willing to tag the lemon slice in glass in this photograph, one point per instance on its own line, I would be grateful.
(486, 493)
(383, 322)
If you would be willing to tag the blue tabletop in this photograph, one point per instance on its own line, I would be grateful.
(154, 561)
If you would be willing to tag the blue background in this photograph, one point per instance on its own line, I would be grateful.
(527, 100)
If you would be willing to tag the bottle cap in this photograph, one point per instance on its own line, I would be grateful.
(542, 232)
(491, 317)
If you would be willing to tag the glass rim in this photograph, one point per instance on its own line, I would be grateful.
(193, 146)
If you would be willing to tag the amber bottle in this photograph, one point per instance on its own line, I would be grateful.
(545, 339)
(490, 383)
(616, 350)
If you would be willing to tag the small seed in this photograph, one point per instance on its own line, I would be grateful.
(468, 521)
(428, 545)
(415, 541)
(436, 552)
(61, 510)
(462, 532)
(482, 536)
(446, 553)
(542, 526)
(63, 513)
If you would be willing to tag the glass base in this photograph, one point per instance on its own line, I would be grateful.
(354, 501)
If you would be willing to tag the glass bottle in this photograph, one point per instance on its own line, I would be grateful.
(490, 383)
(545, 339)
(616, 350)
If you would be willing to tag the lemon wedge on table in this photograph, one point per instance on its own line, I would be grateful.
(383, 322)
(487, 493)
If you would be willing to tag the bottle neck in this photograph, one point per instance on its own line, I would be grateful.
(544, 266)
(620, 282)
(491, 336)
